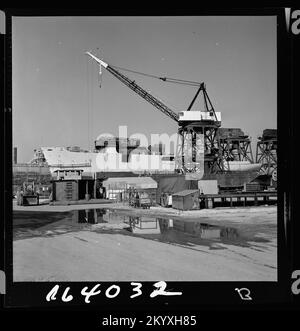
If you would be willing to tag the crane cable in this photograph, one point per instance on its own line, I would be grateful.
(88, 103)
(165, 79)
(147, 75)
(91, 114)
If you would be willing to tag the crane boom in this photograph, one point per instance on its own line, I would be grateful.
(137, 89)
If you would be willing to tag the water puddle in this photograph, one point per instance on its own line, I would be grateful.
(106, 221)
(149, 225)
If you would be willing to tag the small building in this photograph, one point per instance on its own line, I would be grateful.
(117, 186)
(186, 200)
(72, 185)
(209, 186)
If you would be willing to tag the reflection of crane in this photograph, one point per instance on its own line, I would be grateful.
(197, 129)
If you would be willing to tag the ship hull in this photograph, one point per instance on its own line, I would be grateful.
(239, 173)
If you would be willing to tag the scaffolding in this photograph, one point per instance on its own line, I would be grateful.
(266, 153)
(197, 149)
(234, 145)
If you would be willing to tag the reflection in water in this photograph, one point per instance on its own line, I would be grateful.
(187, 232)
(95, 216)
(143, 225)
(161, 228)
(92, 216)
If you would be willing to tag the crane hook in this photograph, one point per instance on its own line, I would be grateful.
(100, 75)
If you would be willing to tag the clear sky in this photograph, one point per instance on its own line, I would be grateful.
(57, 100)
(2, 22)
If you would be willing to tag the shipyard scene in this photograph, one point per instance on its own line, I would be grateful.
(144, 149)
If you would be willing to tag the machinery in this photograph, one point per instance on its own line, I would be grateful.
(197, 130)
(28, 195)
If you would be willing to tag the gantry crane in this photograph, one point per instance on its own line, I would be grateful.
(197, 130)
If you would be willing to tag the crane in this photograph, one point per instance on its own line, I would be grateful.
(197, 123)
(213, 116)
(137, 89)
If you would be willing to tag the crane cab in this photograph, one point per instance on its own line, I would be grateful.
(185, 117)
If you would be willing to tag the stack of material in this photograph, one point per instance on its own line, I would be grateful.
(269, 134)
(225, 133)
(116, 142)
(253, 187)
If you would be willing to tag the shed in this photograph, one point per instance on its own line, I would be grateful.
(186, 200)
(126, 182)
(65, 190)
(72, 190)
(120, 186)
(172, 183)
(209, 186)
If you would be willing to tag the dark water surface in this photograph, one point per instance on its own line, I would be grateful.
(28, 224)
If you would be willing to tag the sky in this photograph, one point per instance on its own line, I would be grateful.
(2, 22)
(57, 100)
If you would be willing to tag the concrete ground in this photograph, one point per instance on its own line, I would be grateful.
(96, 252)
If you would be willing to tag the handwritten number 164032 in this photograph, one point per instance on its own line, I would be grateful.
(111, 292)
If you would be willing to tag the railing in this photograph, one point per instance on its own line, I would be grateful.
(240, 198)
(77, 165)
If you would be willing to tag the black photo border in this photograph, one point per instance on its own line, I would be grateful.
(196, 295)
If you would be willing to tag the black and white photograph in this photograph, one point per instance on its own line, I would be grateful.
(144, 148)
(149, 161)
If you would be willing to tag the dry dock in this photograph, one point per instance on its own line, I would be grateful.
(56, 247)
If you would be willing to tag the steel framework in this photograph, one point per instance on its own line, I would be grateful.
(266, 154)
(197, 140)
(200, 140)
(197, 149)
(235, 149)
